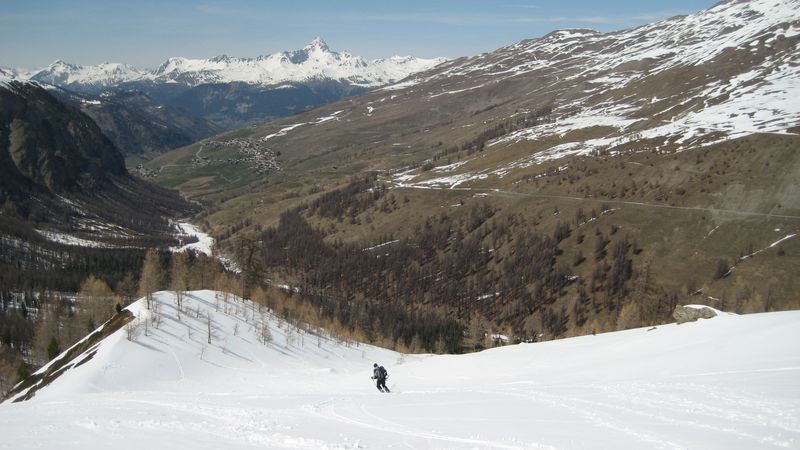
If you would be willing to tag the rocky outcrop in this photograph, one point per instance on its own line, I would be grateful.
(51, 144)
(683, 314)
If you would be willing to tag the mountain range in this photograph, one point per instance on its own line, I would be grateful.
(315, 61)
(227, 92)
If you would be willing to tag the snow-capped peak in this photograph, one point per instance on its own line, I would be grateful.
(314, 61)
(61, 73)
(61, 65)
(317, 45)
(221, 58)
(12, 78)
(6, 76)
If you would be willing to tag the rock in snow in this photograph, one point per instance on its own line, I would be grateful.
(690, 313)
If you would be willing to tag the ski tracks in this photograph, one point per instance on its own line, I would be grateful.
(238, 425)
(371, 421)
(593, 414)
(181, 373)
(704, 407)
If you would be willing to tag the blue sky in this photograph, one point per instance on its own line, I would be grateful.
(144, 33)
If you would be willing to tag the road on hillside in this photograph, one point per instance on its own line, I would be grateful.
(596, 200)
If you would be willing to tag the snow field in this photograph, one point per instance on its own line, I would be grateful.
(727, 382)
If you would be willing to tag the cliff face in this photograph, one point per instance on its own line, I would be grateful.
(59, 172)
(45, 143)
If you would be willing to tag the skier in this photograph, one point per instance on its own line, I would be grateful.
(380, 374)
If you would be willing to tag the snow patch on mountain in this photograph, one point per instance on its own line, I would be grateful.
(283, 131)
(449, 182)
(204, 243)
(68, 239)
(402, 85)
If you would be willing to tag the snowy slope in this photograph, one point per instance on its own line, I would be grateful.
(727, 382)
(314, 61)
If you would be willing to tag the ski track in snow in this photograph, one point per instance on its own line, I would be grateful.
(389, 427)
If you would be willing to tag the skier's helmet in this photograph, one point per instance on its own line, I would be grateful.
(375, 365)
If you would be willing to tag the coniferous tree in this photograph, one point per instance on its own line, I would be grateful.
(53, 349)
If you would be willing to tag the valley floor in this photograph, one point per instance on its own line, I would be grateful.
(727, 382)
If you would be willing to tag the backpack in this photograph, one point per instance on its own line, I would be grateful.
(382, 372)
